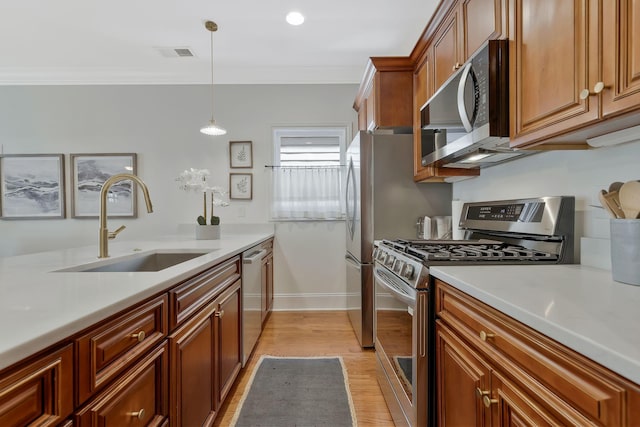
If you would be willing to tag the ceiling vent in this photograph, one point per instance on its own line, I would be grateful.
(175, 52)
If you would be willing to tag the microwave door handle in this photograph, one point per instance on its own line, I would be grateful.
(462, 108)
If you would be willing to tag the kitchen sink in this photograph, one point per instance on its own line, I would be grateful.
(148, 261)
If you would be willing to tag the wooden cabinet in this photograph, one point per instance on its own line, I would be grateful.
(463, 31)
(385, 94)
(193, 353)
(40, 393)
(229, 314)
(267, 280)
(546, 79)
(492, 370)
(620, 56)
(458, 30)
(105, 351)
(206, 349)
(169, 360)
(138, 397)
(189, 297)
(586, 84)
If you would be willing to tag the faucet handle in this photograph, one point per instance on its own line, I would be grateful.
(113, 234)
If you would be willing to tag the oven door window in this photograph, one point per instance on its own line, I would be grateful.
(395, 304)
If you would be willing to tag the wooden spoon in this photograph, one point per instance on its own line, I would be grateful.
(609, 205)
(605, 204)
(615, 186)
(629, 196)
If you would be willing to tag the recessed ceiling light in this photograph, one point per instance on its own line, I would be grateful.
(295, 18)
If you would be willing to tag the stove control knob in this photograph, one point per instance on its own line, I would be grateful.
(389, 260)
(399, 267)
(407, 272)
(375, 253)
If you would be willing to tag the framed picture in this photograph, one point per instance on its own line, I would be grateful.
(241, 186)
(32, 186)
(89, 172)
(241, 154)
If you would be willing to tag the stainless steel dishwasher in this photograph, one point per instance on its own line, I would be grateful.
(251, 299)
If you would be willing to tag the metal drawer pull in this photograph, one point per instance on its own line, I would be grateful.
(139, 415)
(488, 401)
(484, 336)
(220, 314)
(480, 393)
(139, 336)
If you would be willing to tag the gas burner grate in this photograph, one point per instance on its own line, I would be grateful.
(501, 252)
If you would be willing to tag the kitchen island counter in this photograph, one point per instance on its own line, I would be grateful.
(578, 306)
(41, 306)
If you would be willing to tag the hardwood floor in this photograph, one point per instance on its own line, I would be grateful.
(326, 333)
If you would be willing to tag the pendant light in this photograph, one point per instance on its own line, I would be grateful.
(212, 128)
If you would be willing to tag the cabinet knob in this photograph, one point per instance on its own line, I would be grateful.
(139, 336)
(484, 336)
(456, 66)
(597, 88)
(488, 401)
(139, 414)
(481, 393)
(220, 314)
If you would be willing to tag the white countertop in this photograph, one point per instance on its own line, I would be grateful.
(39, 306)
(578, 306)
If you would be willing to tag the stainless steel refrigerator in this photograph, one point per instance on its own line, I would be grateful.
(382, 201)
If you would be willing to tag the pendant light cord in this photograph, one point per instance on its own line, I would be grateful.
(212, 115)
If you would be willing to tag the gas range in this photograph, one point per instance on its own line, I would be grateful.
(522, 231)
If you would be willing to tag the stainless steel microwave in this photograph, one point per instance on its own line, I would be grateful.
(466, 122)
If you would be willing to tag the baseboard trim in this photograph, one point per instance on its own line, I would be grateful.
(308, 302)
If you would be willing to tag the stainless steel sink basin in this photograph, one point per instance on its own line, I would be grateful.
(148, 261)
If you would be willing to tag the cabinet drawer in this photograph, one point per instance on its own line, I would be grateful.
(107, 350)
(593, 390)
(138, 397)
(189, 297)
(40, 393)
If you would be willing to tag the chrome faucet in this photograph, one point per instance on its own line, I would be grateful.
(105, 234)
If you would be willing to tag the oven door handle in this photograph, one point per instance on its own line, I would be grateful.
(387, 281)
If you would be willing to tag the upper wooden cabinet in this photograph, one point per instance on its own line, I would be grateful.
(620, 56)
(585, 83)
(546, 79)
(384, 99)
(462, 32)
(457, 31)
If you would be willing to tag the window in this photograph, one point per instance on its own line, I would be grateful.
(308, 173)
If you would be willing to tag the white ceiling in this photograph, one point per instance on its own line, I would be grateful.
(116, 41)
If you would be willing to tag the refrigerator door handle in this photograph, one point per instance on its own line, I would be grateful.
(351, 216)
(352, 262)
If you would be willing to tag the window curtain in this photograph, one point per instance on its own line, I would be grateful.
(307, 193)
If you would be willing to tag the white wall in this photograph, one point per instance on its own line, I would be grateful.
(574, 173)
(161, 124)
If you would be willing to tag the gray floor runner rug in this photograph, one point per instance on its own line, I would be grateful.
(300, 392)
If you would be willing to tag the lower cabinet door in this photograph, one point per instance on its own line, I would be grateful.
(230, 338)
(40, 393)
(462, 381)
(193, 354)
(137, 398)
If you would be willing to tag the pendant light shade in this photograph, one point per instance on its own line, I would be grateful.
(212, 128)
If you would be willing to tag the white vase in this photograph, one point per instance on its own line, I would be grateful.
(207, 232)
